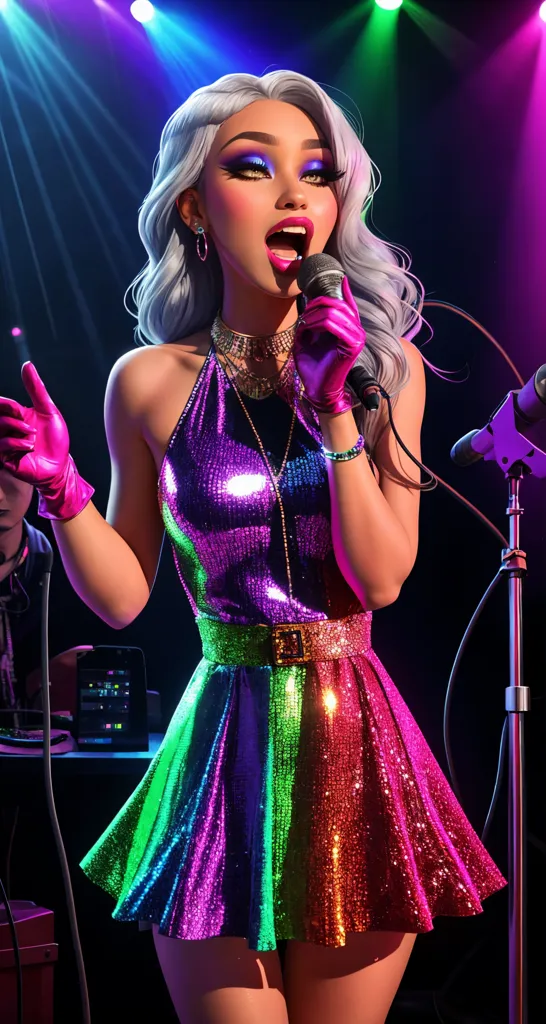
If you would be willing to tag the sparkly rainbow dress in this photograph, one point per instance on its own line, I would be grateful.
(292, 796)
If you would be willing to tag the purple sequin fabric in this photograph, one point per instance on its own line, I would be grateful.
(286, 801)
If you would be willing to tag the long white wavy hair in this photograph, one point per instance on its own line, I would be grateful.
(176, 294)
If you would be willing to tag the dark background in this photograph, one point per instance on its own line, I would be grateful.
(449, 140)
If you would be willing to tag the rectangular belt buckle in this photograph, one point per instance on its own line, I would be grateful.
(290, 647)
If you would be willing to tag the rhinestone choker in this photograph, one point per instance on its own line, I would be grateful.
(250, 346)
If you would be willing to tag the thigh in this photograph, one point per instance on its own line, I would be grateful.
(222, 981)
(355, 983)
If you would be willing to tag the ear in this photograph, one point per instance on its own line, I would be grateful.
(189, 205)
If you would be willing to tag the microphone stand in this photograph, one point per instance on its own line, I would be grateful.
(517, 456)
(517, 702)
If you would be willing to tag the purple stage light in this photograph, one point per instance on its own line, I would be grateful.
(542, 11)
(16, 332)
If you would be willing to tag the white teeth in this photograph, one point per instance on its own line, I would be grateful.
(295, 230)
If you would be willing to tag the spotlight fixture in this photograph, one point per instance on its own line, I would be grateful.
(389, 5)
(142, 10)
(542, 11)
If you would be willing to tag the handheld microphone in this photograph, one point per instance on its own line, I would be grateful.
(529, 408)
(321, 274)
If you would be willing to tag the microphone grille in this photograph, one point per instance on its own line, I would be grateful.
(313, 266)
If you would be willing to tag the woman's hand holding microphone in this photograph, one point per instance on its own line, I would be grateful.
(321, 365)
(34, 447)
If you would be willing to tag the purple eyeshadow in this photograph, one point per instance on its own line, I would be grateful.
(316, 165)
(250, 158)
(259, 158)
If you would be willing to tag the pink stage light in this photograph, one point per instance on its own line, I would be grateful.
(542, 11)
(16, 332)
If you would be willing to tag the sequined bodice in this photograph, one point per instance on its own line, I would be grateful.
(222, 516)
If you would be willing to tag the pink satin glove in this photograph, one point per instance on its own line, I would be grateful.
(322, 364)
(34, 446)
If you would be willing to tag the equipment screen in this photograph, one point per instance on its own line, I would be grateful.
(105, 697)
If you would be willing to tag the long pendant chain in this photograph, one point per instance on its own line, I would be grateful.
(274, 477)
(258, 387)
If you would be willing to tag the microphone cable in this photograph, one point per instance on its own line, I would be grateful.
(50, 798)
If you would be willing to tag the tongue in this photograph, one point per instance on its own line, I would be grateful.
(280, 245)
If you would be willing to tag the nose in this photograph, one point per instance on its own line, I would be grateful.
(292, 198)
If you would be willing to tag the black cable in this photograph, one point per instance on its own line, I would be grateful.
(16, 953)
(50, 798)
(458, 657)
(430, 485)
(498, 780)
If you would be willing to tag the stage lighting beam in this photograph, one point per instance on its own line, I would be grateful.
(142, 10)
(542, 11)
(389, 5)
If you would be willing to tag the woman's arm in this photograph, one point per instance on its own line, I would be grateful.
(375, 524)
(111, 563)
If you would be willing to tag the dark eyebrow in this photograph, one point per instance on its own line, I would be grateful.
(272, 140)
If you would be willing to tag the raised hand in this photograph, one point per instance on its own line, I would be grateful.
(326, 346)
(34, 447)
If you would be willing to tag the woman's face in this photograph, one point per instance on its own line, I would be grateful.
(250, 185)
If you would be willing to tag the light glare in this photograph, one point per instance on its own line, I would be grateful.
(389, 5)
(542, 11)
(142, 10)
(3, 5)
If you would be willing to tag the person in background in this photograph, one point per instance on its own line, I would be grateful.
(21, 564)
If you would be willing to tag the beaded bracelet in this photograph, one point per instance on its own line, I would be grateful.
(345, 456)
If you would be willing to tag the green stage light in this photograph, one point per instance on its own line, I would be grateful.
(389, 5)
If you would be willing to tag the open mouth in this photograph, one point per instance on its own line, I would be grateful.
(288, 243)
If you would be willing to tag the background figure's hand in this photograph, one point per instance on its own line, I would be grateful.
(34, 447)
(323, 362)
(34, 441)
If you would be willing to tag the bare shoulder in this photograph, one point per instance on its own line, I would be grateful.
(411, 399)
(143, 374)
(415, 361)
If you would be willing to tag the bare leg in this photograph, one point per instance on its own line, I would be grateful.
(222, 981)
(355, 983)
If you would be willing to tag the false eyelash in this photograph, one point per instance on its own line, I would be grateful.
(328, 174)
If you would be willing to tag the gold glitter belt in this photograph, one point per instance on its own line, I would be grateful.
(289, 643)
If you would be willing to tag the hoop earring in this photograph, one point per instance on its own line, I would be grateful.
(201, 235)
